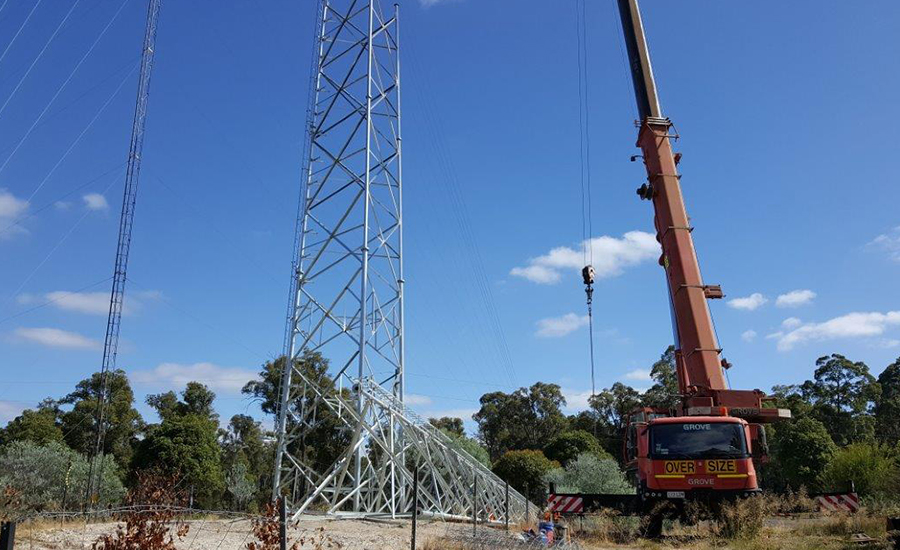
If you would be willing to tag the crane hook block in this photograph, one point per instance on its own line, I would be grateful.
(587, 273)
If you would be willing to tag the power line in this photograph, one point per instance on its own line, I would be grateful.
(61, 88)
(50, 302)
(22, 26)
(39, 55)
(34, 213)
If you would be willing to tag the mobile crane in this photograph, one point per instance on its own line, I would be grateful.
(704, 448)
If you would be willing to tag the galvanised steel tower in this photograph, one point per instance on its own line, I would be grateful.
(346, 299)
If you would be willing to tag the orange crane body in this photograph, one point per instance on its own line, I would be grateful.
(706, 446)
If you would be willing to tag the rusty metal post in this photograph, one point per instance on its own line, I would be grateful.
(282, 524)
(415, 510)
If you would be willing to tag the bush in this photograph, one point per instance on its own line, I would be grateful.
(742, 519)
(871, 467)
(525, 471)
(590, 474)
(803, 448)
(54, 477)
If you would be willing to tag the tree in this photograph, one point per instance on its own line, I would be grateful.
(664, 393)
(524, 419)
(449, 424)
(185, 447)
(185, 444)
(802, 448)
(327, 439)
(525, 471)
(123, 422)
(241, 484)
(569, 445)
(243, 442)
(54, 477)
(611, 408)
(196, 399)
(843, 394)
(872, 468)
(37, 426)
(589, 473)
(470, 446)
(887, 407)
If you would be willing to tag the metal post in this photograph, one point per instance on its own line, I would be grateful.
(282, 524)
(506, 506)
(527, 511)
(7, 535)
(475, 506)
(415, 510)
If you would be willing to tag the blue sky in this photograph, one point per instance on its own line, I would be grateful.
(783, 109)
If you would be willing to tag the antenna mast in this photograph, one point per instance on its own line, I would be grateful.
(126, 222)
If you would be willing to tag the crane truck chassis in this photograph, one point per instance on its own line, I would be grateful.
(707, 447)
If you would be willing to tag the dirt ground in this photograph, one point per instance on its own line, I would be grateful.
(218, 534)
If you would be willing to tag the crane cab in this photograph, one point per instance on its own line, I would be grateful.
(689, 457)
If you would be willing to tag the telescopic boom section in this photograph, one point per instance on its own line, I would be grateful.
(697, 351)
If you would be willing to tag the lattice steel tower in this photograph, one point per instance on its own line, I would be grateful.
(347, 297)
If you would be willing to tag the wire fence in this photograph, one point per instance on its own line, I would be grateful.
(162, 527)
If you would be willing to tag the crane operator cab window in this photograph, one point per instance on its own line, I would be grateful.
(698, 440)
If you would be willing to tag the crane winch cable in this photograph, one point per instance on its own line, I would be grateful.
(584, 151)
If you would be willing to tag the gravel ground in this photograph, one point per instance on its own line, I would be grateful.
(233, 535)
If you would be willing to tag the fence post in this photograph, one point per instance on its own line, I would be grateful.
(527, 511)
(415, 510)
(506, 506)
(282, 524)
(475, 506)
(7, 535)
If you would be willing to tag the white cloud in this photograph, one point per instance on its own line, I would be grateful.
(416, 400)
(10, 410)
(889, 343)
(95, 303)
(554, 327)
(791, 322)
(95, 201)
(176, 375)
(750, 303)
(889, 243)
(429, 3)
(748, 335)
(638, 374)
(62, 205)
(11, 209)
(91, 303)
(56, 338)
(611, 256)
(795, 298)
(576, 400)
(851, 325)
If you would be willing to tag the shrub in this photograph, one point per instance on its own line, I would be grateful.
(742, 519)
(525, 471)
(148, 525)
(871, 467)
(54, 477)
(803, 448)
(590, 474)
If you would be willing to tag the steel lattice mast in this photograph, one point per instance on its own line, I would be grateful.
(346, 298)
(126, 221)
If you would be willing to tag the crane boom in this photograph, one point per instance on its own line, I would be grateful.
(697, 349)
